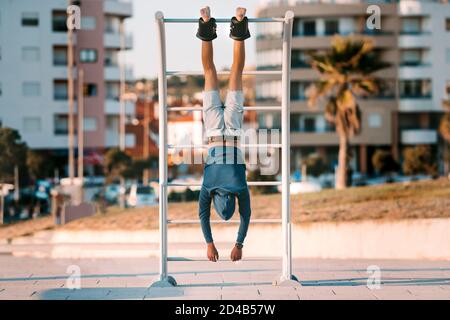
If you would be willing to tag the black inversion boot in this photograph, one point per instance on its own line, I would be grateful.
(207, 30)
(239, 29)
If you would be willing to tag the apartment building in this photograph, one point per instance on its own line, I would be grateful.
(414, 39)
(34, 77)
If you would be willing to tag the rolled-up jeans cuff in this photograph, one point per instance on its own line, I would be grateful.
(211, 99)
(235, 99)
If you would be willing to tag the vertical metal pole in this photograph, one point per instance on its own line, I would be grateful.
(2, 204)
(146, 131)
(285, 140)
(81, 131)
(122, 87)
(16, 185)
(70, 91)
(162, 101)
(122, 106)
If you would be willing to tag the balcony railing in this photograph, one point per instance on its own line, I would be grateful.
(415, 96)
(419, 136)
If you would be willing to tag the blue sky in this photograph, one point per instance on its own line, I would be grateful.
(183, 48)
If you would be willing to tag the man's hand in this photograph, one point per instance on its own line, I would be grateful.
(212, 253)
(236, 253)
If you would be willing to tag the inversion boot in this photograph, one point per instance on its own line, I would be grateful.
(207, 30)
(239, 29)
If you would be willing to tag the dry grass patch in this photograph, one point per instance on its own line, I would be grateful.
(424, 199)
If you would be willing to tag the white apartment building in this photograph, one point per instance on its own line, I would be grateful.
(414, 38)
(33, 71)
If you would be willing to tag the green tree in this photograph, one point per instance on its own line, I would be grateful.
(384, 162)
(117, 164)
(12, 152)
(419, 160)
(444, 129)
(346, 73)
(39, 166)
(256, 175)
(314, 164)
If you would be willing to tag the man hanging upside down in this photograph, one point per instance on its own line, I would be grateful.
(224, 173)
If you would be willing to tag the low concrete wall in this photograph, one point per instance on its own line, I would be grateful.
(396, 239)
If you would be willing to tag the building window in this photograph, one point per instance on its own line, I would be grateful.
(31, 54)
(111, 58)
(112, 90)
(61, 124)
(331, 27)
(112, 24)
(30, 19)
(32, 124)
(309, 124)
(88, 23)
(299, 59)
(447, 24)
(60, 90)
(1, 89)
(59, 21)
(309, 28)
(448, 55)
(88, 55)
(299, 90)
(414, 89)
(90, 90)
(59, 56)
(0, 53)
(411, 25)
(411, 57)
(90, 124)
(31, 89)
(374, 120)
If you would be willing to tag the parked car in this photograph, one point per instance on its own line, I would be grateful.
(112, 193)
(141, 196)
(303, 187)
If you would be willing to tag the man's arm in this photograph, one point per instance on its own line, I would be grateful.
(204, 213)
(245, 213)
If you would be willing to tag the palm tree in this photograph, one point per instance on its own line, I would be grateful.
(346, 73)
(444, 129)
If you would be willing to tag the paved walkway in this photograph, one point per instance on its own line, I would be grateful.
(31, 278)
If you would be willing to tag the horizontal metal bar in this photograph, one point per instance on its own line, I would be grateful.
(252, 108)
(223, 73)
(222, 20)
(199, 184)
(205, 146)
(257, 221)
(184, 259)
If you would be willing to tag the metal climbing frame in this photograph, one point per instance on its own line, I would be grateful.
(286, 278)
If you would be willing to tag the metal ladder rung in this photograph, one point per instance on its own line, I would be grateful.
(205, 146)
(250, 108)
(194, 221)
(185, 259)
(224, 73)
(224, 20)
(199, 184)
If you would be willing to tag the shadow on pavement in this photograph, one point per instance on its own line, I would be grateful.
(384, 281)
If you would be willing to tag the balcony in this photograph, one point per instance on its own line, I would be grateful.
(112, 40)
(415, 71)
(112, 73)
(415, 40)
(112, 139)
(408, 104)
(419, 136)
(112, 107)
(118, 8)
